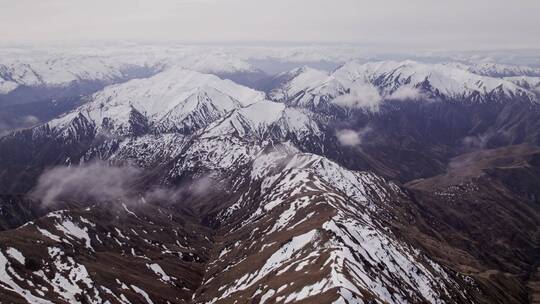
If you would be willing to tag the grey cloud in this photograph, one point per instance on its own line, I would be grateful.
(351, 138)
(197, 187)
(101, 182)
(361, 96)
(14, 123)
(406, 93)
(476, 141)
(29, 120)
(95, 181)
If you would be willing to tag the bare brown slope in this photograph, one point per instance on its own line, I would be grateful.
(482, 217)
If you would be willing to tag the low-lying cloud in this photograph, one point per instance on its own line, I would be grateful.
(351, 138)
(406, 93)
(197, 187)
(10, 124)
(348, 137)
(476, 141)
(101, 182)
(95, 181)
(361, 96)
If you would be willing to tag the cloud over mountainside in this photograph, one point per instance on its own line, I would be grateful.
(94, 181)
(351, 138)
(365, 96)
(99, 181)
(406, 93)
(8, 124)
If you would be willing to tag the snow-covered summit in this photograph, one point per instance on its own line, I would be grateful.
(450, 82)
(526, 82)
(60, 71)
(307, 86)
(503, 70)
(394, 80)
(168, 100)
(263, 119)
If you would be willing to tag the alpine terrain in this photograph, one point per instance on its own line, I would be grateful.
(191, 176)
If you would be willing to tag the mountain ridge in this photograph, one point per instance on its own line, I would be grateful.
(240, 191)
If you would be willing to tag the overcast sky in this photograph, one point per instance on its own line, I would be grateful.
(456, 24)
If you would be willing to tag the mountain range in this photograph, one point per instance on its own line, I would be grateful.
(202, 179)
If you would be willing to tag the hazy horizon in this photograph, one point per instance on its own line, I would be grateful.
(416, 24)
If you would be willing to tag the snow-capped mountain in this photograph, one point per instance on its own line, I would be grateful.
(62, 71)
(235, 198)
(305, 85)
(293, 217)
(503, 70)
(261, 119)
(38, 86)
(527, 82)
(436, 79)
(366, 84)
(308, 213)
(174, 100)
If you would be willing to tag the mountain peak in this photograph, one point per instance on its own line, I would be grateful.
(397, 80)
(173, 93)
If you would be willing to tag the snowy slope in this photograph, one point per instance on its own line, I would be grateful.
(376, 81)
(503, 70)
(176, 99)
(235, 140)
(61, 71)
(307, 229)
(526, 82)
(56, 69)
(83, 254)
(447, 81)
(305, 86)
(263, 118)
(301, 228)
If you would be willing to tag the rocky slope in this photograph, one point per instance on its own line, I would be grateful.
(487, 201)
(97, 255)
(293, 217)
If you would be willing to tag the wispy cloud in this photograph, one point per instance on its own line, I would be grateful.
(94, 181)
(406, 93)
(361, 96)
(8, 125)
(351, 138)
(101, 182)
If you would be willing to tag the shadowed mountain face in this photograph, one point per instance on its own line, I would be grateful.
(187, 188)
(14, 117)
(37, 99)
(409, 140)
